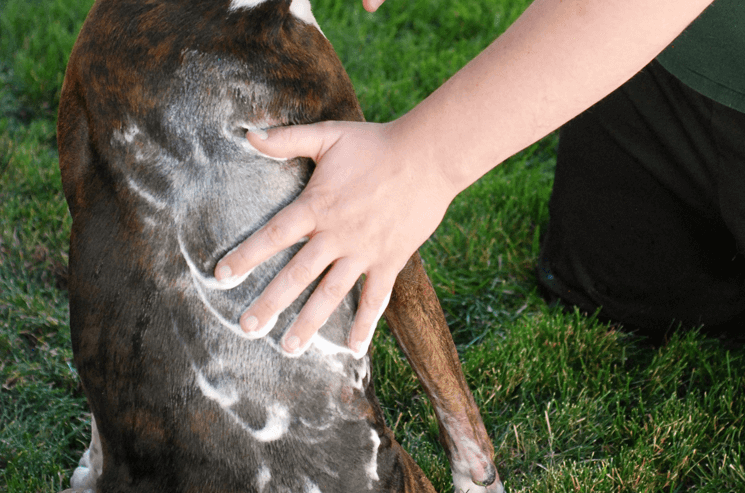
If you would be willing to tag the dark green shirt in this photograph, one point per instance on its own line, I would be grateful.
(709, 56)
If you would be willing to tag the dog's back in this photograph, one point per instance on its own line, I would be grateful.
(161, 183)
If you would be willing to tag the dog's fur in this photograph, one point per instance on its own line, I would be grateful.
(161, 183)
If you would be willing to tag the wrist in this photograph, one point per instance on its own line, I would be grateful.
(445, 153)
(417, 152)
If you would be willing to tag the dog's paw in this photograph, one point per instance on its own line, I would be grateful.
(473, 471)
(464, 484)
(89, 468)
(84, 478)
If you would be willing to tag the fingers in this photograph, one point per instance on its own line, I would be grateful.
(285, 229)
(359, 204)
(296, 140)
(286, 286)
(324, 300)
(372, 5)
(260, 318)
(327, 296)
(376, 294)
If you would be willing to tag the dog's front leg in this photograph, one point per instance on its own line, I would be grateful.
(90, 466)
(418, 323)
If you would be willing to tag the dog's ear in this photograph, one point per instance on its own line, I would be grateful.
(73, 138)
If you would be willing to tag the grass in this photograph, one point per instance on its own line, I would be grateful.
(571, 404)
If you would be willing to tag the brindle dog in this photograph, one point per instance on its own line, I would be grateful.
(161, 183)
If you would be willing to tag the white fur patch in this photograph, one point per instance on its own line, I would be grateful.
(90, 466)
(263, 477)
(244, 4)
(299, 8)
(310, 486)
(372, 467)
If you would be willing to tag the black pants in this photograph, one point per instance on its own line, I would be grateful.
(647, 215)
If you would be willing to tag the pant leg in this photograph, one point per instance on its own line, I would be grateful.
(636, 214)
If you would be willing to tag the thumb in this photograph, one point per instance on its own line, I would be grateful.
(295, 141)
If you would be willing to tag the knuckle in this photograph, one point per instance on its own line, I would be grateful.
(303, 326)
(299, 274)
(333, 290)
(268, 305)
(286, 133)
(291, 137)
(275, 234)
(373, 301)
(320, 204)
(243, 254)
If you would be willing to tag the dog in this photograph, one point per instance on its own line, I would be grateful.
(161, 183)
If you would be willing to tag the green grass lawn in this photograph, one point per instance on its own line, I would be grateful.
(571, 404)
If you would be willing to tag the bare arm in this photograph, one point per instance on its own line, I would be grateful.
(380, 190)
(559, 58)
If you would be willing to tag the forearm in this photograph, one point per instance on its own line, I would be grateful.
(378, 191)
(558, 59)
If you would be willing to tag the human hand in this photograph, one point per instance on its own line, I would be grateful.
(370, 203)
(372, 5)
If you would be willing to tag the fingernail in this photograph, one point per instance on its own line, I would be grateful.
(355, 346)
(291, 344)
(260, 133)
(224, 272)
(249, 324)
